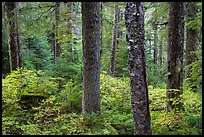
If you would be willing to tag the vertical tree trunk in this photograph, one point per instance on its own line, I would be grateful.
(101, 30)
(174, 57)
(181, 53)
(69, 29)
(114, 41)
(57, 18)
(18, 38)
(160, 52)
(134, 16)
(191, 38)
(14, 41)
(91, 56)
(155, 45)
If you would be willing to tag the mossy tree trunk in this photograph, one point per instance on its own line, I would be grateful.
(134, 20)
(191, 38)
(174, 57)
(91, 56)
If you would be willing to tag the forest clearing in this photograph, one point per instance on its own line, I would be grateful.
(101, 68)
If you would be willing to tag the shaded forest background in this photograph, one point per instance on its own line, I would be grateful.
(44, 95)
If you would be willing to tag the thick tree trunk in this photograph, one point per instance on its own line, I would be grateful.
(14, 41)
(91, 56)
(181, 31)
(114, 42)
(191, 38)
(174, 57)
(134, 16)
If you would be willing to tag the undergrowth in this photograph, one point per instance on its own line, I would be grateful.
(59, 111)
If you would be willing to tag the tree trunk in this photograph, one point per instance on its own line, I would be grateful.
(101, 30)
(91, 56)
(69, 29)
(14, 41)
(134, 16)
(160, 53)
(181, 31)
(174, 57)
(114, 41)
(155, 45)
(191, 38)
(57, 18)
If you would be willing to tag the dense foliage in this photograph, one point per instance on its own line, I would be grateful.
(59, 113)
(45, 98)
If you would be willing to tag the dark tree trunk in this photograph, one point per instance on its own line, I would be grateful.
(20, 64)
(181, 31)
(155, 45)
(191, 38)
(174, 57)
(14, 41)
(91, 56)
(134, 16)
(114, 41)
(57, 18)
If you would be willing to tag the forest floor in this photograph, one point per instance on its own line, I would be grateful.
(60, 112)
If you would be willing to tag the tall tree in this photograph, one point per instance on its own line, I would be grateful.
(191, 38)
(174, 57)
(181, 32)
(57, 18)
(134, 20)
(114, 40)
(91, 56)
(54, 36)
(14, 39)
(155, 44)
(69, 29)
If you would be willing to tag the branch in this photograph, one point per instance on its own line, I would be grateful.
(164, 23)
(44, 12)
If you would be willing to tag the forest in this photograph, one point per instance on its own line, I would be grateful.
(101, 68)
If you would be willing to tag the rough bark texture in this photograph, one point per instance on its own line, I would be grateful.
(91, 56)
(191, 37)
(181, 31)
(174, 57)
(101, 30)
(14, 41)
(134, 16)
(114, 42)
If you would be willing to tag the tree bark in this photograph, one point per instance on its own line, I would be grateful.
(134, 20)
(174, 57)
(14, 41)
(155, 45)
(114, 41)
(191, 38)
(181, 31)
(69, 30)
(91, 56)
